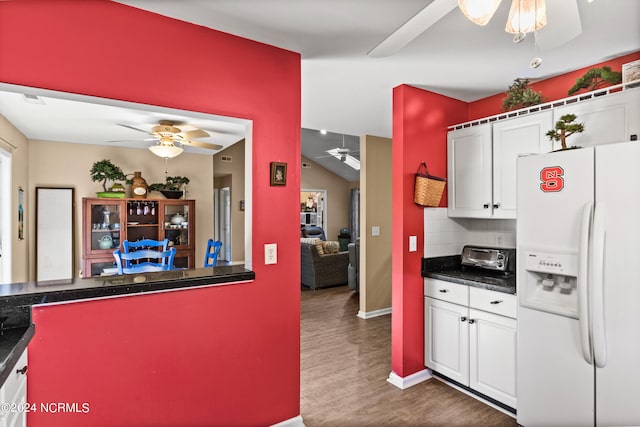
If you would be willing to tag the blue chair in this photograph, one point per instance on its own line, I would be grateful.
(213, 249)
(148, 260)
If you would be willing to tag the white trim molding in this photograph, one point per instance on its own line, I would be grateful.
(374, 313)
(409, 381)
(291, 422)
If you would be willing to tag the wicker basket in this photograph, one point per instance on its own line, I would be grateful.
(428, 189)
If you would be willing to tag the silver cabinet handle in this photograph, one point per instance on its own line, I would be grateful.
(496, 302)
(444, 291)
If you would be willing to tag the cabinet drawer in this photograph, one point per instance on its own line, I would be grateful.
(446, 291)
(493, 302)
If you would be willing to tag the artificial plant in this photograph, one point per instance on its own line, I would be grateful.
(565, 128)
(520, 95)
(596, 77)
(171, 183)
(105, 170)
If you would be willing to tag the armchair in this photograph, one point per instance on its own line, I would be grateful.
(318, 271)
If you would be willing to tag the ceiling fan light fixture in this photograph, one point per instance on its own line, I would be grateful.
(166, 149)
(526, 16)
(479, 12)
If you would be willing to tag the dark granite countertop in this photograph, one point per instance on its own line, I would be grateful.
(16, 299)
(450, 269)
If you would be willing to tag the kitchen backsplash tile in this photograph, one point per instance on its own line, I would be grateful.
(446, 236)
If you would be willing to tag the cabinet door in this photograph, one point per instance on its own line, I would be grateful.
(512, 138)
(607, 119)
(446, 343)
(103, 226)
(469, 175)
(492, 356)
(177, 219)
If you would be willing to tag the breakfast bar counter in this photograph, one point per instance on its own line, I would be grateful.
(17, 300)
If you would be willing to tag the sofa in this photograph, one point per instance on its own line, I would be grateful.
(322, 270)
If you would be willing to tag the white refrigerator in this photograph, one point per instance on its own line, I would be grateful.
(578, 286)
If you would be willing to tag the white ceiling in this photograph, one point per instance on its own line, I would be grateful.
(343, 89)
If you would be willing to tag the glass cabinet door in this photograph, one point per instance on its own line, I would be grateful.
(176, 223)
(106, 223)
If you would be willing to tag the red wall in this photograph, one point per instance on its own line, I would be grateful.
(420, 121)
(248, 334)
(552, 89)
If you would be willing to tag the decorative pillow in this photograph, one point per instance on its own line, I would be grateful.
(320, 247)
(331, 247)
(310, 240)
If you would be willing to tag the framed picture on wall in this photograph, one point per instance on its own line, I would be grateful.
(278, 173)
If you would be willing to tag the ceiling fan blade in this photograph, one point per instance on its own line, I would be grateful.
(413, 28)
(563, 25)
(196, 133)
(134, 128)
(203, 145)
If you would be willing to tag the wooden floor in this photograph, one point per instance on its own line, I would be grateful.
(345, 362)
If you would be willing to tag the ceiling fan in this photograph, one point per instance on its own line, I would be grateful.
(563, 24)
(167, 134)
(344, 154)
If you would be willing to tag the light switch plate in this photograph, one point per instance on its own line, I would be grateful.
(375, 230)
(413, 243)
(270, 253)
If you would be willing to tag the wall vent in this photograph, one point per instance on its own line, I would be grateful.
(225, 159)
(306, 165)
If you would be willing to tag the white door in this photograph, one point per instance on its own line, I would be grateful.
(511, 138)
(469, 163)
(491, 371)
(618, 203)
(447, 339)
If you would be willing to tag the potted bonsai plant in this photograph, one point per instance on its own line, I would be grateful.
(105, 170)
(595, 78)
(172, 187)
(565, 127)
(520, 95)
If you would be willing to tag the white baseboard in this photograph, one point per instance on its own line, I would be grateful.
(374, 313)
(409, 381)
(291, 422)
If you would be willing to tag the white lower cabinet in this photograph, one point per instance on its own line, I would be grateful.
(474, 347)
(13, 395)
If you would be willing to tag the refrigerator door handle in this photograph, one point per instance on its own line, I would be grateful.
(597, 290)
(583, 284)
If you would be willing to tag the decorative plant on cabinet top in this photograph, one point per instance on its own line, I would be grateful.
(105, 170)
(565, 128)
(172, 187)
(596, 77)
(520, 95)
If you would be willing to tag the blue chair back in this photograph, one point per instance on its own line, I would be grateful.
(213, 249)
(147, 259)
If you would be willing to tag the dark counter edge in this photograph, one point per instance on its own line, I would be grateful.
(13, 343)
(16, 299)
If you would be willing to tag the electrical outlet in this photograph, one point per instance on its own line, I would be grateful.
(413, 243)
(270, 253)
(375, 231)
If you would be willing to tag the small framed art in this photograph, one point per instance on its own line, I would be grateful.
(278, 173)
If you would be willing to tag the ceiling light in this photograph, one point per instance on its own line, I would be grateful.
(166, 149)
(526, 16)
(323, 131)
(478, 11)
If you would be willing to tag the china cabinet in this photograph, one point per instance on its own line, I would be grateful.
(108, 222)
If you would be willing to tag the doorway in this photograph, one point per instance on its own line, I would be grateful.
(313, 208)
(224, 226)
(5, 217)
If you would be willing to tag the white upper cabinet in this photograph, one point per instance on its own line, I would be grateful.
(607, 119)
(512, 138)
(482, 164)
(469, 165)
